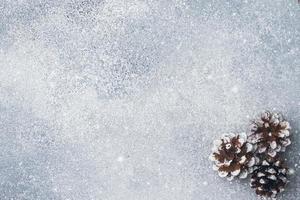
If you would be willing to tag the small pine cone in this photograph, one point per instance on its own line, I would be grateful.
(269, 178)
(233, 156)
(270, 133)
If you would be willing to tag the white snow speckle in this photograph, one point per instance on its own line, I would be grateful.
(120, 159)
(235, 89)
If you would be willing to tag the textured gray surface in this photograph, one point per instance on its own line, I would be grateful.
(121, 99)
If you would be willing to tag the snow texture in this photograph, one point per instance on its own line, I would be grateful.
(122, 99)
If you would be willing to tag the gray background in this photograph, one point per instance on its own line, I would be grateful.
(121, 99)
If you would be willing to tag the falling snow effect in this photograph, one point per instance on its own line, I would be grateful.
(118, 100)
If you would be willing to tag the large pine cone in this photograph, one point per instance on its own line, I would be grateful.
(233, 156)
(270, 132)
(269, 178)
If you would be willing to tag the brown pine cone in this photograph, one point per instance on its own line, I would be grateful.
(270, 133)
(233, 156)
(269, 178)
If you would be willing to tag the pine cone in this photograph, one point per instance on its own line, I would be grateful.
(270, 132)
(269, 178)
(233, 156)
